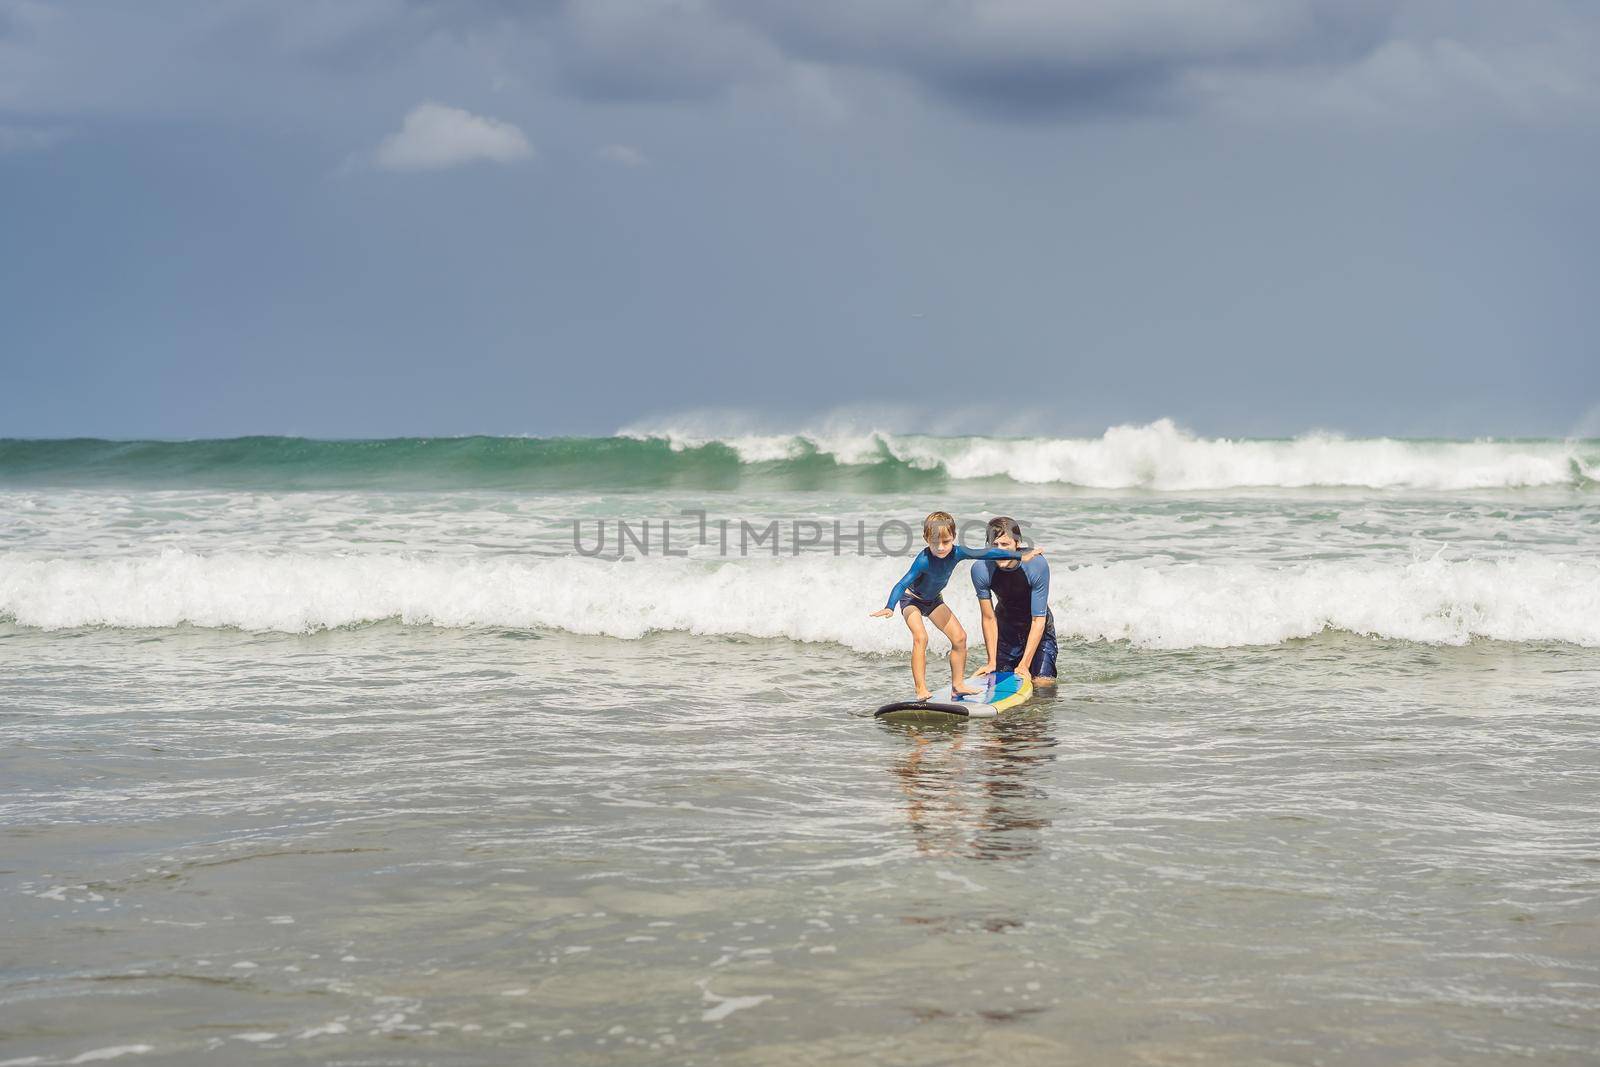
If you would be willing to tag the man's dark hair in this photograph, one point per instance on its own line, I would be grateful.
(1001, 524)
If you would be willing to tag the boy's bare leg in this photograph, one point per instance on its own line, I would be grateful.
(919, 652)
(946, 620)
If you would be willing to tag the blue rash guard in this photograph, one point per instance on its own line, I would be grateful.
(929, 574)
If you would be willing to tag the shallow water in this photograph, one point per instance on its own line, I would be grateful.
(394, 772)
(421, 845)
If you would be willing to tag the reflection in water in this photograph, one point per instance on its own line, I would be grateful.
(976, 789)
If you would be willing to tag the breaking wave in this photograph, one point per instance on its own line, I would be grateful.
(1159, 457)
(1153, 603)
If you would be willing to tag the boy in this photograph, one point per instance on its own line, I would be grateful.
(920, 592)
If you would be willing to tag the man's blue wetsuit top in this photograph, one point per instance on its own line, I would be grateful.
(1030, 582)
(929, 574)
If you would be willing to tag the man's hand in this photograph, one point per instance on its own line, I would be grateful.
(987, 668)
(881, 613)
(1019, 669)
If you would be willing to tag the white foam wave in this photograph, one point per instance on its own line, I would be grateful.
(1161, 456)
(1152, 603)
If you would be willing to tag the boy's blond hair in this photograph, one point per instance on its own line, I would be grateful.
(936, 521)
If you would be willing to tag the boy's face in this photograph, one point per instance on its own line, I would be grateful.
(942, 541)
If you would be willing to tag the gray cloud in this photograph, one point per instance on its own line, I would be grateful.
(1012, 58)
(1036, 57)
(1071, 58)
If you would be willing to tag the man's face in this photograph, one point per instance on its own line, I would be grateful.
(942, 541)
(1006, 542)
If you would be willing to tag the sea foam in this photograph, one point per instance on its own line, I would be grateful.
(1152, 603)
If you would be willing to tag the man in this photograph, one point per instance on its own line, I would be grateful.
(1019, 632)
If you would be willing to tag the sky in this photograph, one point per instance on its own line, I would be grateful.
(351, 218)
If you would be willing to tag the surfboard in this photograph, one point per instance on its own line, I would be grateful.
(1002, 691)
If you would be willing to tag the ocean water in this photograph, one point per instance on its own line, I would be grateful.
(532, 750)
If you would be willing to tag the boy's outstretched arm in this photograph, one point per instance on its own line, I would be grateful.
(918, 565)
(963, 552)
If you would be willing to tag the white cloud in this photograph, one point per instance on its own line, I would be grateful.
(434, 137)
(623, 155)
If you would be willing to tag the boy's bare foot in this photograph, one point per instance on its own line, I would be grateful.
(957, 687)
(925, 696)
